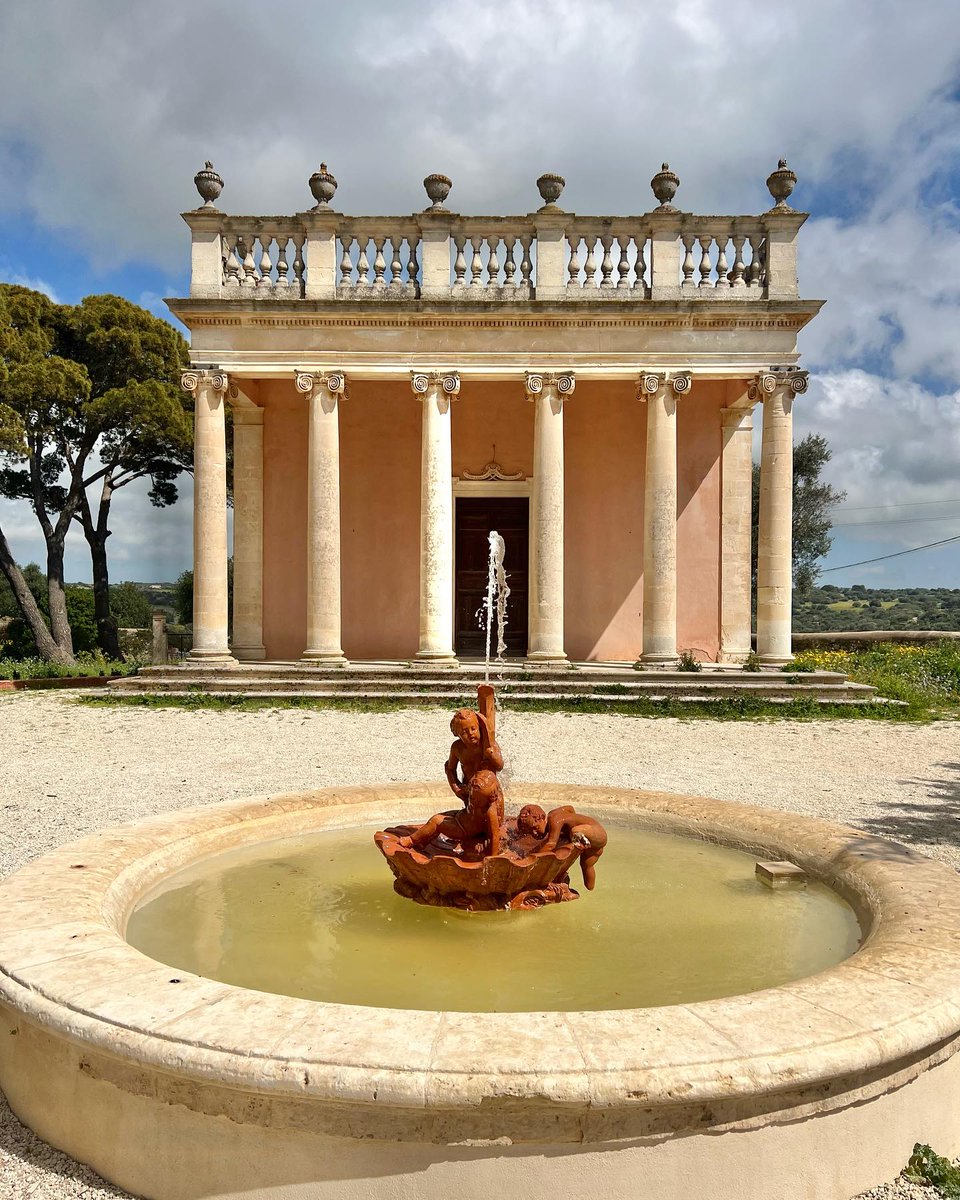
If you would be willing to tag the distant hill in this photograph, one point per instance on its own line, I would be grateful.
(858, 608)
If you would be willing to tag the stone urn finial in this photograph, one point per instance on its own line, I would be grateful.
(322, 185)
(437, 188)
(781, 183)
(664, 185)
(550, 187)
(209, 184)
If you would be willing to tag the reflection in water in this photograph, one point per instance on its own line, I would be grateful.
(673, 920)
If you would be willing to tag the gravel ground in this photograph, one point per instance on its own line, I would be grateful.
(69, 769)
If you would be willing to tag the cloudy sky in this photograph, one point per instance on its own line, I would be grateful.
(108, 107)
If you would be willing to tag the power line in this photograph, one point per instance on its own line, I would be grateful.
(895, 521)
(893, 504)
(913, 550)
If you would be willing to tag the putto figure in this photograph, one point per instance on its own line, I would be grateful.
(473, 858)
(476, 746)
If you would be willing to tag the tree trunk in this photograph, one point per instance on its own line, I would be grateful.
(57, 598)
(96, 535)
(28, 606)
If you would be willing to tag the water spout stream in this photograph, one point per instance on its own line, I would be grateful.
(498, 590)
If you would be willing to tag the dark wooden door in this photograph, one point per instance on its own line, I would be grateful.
(476, 517)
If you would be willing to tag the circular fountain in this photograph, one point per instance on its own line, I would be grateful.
(369, 1046)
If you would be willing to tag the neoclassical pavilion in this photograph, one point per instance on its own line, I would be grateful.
(401, 385)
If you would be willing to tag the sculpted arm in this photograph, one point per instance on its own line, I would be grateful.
(557, 819)
(450, 768)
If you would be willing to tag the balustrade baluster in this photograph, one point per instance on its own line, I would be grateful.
(509, 266)
(641, 264)
(722, 280)
(623, 266)
(606, 265)
(232, 265)
(412, 265)
(688, 240)
(705, 268)
(753, 271)
(283, 278)
(526, 264)
(266, 266)
(574, 266)
(249, 279)
(346, 262)
(396, 266)
(493, 262)
(476, 265)
(379, 264)
(736, 271)
(298, 263)
(363, 266)
(459, 263)
(590, 266)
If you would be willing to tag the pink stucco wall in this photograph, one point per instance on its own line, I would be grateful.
(284, 520)
(380, 490)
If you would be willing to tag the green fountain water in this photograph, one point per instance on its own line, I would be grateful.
(673, 920)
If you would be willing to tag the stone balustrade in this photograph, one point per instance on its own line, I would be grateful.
(549, 255)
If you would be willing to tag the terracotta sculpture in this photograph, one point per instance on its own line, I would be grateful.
(476, 746)
(479, 823)
(473, 858)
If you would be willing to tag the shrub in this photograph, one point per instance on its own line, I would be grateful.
(688, 661)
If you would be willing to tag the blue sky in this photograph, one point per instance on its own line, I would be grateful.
(107, 109)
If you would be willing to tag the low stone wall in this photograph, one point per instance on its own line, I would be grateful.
(863, 639)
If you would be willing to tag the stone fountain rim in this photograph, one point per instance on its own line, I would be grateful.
(65, 967)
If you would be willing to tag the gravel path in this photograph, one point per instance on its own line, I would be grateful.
(69, 769)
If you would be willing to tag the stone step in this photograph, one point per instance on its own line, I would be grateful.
(820, 696)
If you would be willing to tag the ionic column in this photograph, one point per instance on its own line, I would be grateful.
(548, 393)
(435, 391)
(323, 392)
(775, 550)
(736, 516)
(660, 393)
(208, 389)
(247, 532)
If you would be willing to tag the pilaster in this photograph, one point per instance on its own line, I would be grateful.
(736, 518)
(248, 532)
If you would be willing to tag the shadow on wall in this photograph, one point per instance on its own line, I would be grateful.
(935, 821)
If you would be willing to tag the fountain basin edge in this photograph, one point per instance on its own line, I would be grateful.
(189, 1089)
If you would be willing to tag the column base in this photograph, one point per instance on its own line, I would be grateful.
(211, 658)
(435, 660)
(657, 662)
(542, 659)
(324, 658)
(249, 653)
(775, 661)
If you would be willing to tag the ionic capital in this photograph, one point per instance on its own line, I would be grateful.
(651, 383)
(786, 379)
(197, 379)
(441, 386)
(331, 386)
(557, 387)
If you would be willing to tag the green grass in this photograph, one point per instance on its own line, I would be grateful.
(85, 666)
(743, 708)
(925, 678)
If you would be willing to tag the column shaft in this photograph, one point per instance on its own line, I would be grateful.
(323, 519)
(545, 646)
(248, 533)
(209, 517)
(660, 528)
(775, 549)
(436, 521)
(736, 514)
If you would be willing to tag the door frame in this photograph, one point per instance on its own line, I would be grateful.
(500, 489)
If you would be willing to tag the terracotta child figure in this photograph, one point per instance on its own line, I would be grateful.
(582, 831)
(480, 821)
(476, 748)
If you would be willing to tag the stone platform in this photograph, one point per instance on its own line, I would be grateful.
(615, 683)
